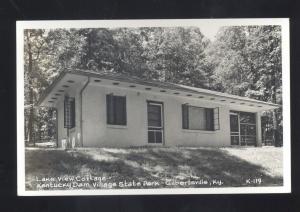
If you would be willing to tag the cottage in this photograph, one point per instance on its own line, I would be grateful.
(113, 110)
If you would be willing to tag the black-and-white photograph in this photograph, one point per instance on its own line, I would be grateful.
(153, 107)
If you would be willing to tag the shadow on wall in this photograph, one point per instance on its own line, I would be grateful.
(146, 164)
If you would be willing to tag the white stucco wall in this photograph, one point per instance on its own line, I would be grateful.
(96, 133)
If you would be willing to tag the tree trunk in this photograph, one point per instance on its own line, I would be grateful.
(275, 129)
(274, 114)
(274, 77)
(31, 111)
(25, 130)
(39, 125)
(31, 118)
(56, 127)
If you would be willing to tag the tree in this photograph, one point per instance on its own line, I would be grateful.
(97, 52)
(247, 62)
(34, 45)
(265, 54)
(177, 55)
(228, 57)
(47, 53)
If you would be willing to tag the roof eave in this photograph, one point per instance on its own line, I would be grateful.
(264, 105)
(50, 88)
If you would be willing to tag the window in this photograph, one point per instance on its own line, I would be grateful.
(69, 112)
(116, 109)
(198, 118)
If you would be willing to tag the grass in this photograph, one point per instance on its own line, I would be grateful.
(154, 167)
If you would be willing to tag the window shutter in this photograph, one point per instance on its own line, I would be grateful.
(120, 110)
(216, 119)
(116, 109)
(124, 120)
(185, 117)
(209, 113)
(69, 112)
(110, 109)
(73, 113)
(65, 113)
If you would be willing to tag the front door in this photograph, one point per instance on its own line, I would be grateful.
(234, 129)
(155, 122)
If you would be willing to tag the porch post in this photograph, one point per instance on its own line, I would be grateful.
(258, 129)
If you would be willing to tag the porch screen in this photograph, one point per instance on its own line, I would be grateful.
(247, 128)
(69, 112)
(116, 109)
(243, 128)
(197, 118)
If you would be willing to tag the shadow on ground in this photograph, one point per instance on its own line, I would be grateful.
(148, 164)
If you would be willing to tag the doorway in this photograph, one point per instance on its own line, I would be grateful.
(155, 122)
(234, 129)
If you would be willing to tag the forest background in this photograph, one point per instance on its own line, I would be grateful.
(241, 60)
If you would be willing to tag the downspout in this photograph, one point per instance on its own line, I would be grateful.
(81, 121)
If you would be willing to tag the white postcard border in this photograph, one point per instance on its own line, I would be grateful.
(283, 22)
